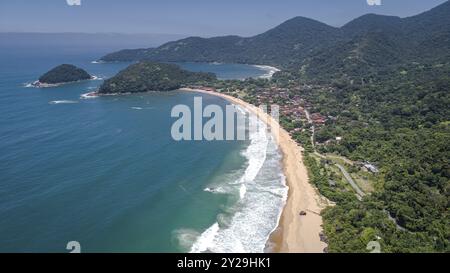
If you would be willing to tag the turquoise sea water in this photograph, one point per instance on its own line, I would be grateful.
(105, 172)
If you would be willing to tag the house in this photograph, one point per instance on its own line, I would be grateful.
(371, 168)
(317, 118)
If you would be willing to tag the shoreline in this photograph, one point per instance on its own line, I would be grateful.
(38, 84)
(294, 233)
(270, 71)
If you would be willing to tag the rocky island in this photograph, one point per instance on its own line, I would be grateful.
(150, 76)
(65, 73)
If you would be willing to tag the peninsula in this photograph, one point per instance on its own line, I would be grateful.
(150, 76)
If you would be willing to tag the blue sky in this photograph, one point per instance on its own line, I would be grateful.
(188, 17)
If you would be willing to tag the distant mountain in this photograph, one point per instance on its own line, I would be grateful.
(375, 43)
(364, 45)
(291, 41)
(372, 23)
(294, 38)
(150, 76)
(127, 55)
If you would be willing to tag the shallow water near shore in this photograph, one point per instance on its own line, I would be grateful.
(105, 172)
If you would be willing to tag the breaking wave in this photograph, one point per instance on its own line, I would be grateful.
(260, 192)
(63, 102)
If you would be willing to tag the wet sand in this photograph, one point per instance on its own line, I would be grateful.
(295, 233)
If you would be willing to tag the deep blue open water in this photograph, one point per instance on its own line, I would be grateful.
(105, 172)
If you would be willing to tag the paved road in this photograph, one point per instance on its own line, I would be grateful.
(352, 183)
(359, 193)
(346, 160)
(394, 221)
(313, 129)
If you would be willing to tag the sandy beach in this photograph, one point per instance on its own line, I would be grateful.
(295, 233)
(270, 71)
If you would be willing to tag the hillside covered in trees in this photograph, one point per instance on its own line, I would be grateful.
(150, 76)
(314, 49)
(64, 73)
(401, 123)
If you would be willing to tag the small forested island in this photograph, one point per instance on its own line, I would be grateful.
(61, 74)
(150, 76)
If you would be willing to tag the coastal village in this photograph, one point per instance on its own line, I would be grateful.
(300, 119)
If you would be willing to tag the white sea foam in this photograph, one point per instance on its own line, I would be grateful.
(137, 108)
(270, 70)
(96, 78)
(261, 193)
(185, 238)
(63, 102)
(206, 239)
(216, 190)
(37, 84)
(90, 95)
(256, 151)
(97, 62)
(241, 110)
(242, 191)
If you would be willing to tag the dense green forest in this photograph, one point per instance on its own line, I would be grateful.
(400, 121)
(150, 76)
(64, 73)
(293, 39)
(313, 48)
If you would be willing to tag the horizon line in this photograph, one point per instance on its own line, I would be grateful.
(218, 35)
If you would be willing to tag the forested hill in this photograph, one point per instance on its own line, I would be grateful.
(294, 38)
(150, 76)
(401, 124)
(376, 44)
(368, 43)
(63, 74)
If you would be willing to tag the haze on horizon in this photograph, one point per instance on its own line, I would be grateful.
(181, 17)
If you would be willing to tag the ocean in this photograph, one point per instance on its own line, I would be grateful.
(106, 173)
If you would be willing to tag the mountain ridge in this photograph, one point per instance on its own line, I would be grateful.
(370, 40)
